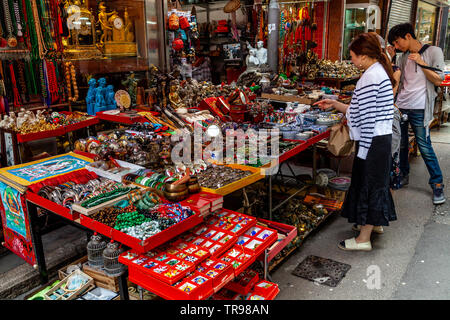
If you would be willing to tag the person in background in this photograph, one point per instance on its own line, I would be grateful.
(396, 127)
(369, 204)
(421, 70)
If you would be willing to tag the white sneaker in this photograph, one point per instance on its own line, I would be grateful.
(376, 229)
(352, 245)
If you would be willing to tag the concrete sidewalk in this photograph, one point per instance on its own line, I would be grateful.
(413, 254)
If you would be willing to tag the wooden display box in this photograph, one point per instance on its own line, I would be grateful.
(101, 279)
(85, 288)
(62, 273)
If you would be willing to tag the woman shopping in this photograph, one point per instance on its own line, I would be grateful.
(369, 203)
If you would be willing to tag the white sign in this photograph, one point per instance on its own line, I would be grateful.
(374, 17)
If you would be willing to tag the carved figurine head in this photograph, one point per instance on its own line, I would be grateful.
(92, 82)
(102, 82)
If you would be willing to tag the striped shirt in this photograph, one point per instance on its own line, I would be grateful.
(371, 110)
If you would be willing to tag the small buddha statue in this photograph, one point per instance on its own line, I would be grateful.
(174, 98)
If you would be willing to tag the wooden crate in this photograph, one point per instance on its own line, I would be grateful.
(62, 273)
(85, 288)
(101, 279)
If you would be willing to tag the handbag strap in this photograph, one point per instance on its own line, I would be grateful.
(398, 109)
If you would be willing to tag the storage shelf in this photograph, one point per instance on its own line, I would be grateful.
(101, 66)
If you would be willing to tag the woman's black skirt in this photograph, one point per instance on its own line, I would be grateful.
(369, 200)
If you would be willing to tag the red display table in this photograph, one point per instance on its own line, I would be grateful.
(124, 118)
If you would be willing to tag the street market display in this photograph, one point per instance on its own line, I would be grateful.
(168, 224)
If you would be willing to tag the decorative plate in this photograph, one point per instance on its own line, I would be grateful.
(123, 99)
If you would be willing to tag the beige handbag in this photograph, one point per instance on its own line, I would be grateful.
(339, 142)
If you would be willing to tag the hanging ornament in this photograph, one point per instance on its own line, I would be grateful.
(18, 20)
(177, 44)
(174, 22)
(12, 41)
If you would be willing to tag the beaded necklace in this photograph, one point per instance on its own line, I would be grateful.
(16, 94)
(25, 24)
(45, 25)
(61, 93)
(18, 18)
(2, 84)
(56, 32)
(40, 39)
(42, 79)
(30, 78)
(12, 41)
(71, 75)
(23, 87)
(52, 81)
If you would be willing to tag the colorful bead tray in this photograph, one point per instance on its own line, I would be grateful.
(204, 274)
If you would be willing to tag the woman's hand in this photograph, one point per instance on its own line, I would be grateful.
(325, 104)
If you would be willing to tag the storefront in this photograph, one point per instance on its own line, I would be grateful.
(426, 22)
(360, 17)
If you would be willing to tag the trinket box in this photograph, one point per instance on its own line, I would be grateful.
(239, 259)
(244, 282)
(71, 287)
(204, 284)
(264, 290)
(219, 271)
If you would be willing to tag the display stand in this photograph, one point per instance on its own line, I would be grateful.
(283, 160)
(12, 143)
(438, 105)
(123, 118)
(336, 82)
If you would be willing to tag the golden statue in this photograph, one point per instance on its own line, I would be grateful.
(174, 98)
(117, 33)
(105, 24)
(81, 42)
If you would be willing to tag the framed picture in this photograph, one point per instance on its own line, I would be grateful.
(232, 51)
(9, 150)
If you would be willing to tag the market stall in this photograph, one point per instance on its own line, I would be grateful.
(154, 219)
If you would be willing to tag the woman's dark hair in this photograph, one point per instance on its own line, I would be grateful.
(369, 45)
(400, 31)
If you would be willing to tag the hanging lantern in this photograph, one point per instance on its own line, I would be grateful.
(184, 23)
(95, 249)
(111, 254)
(174, 22)
(178, 44)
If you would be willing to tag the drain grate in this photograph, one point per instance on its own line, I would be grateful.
(321, 270)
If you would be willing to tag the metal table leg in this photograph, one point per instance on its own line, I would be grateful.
(123, 286)
(314, 162)
(265, 265)
(36, 239)
(270, 197)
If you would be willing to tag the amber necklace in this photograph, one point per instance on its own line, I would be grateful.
(37, 26)
(71, 75)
